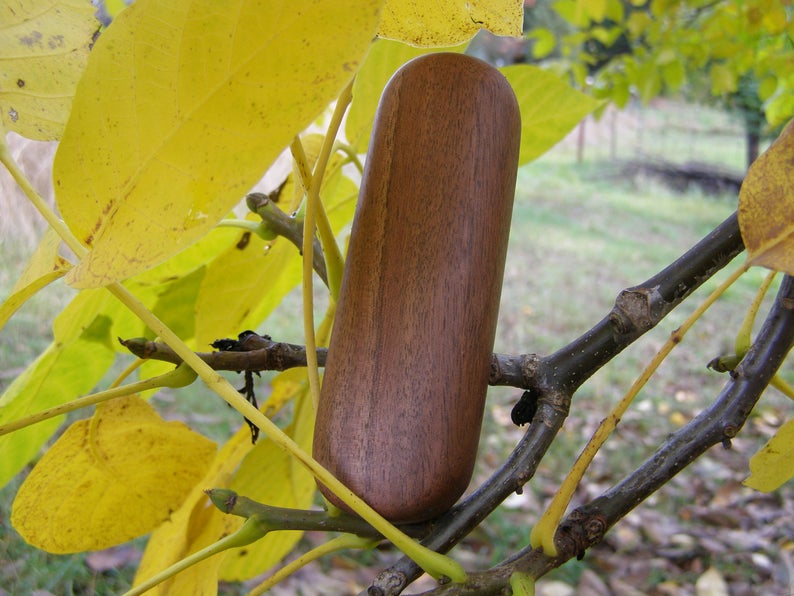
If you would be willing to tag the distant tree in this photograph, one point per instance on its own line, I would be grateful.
(736, 52)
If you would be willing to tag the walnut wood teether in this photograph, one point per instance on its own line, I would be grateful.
(404, 389)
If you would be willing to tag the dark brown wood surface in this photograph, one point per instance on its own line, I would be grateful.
(404, 389)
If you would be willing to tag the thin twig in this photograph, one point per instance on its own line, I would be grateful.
(718, 424)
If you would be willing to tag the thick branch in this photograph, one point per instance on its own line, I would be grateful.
(719, 423)
(552, 380)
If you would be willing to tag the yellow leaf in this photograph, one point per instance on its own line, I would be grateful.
(110, 479)
(44, 267)
(434, 23)
(550, 108)
(181, 109)
(194, 525)
(384, 58)
(766, 206)
(595, 9)
(773, 465)
(44, 46)
(270, 475)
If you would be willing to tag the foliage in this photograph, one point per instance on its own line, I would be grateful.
(621, 48)
(178, 112)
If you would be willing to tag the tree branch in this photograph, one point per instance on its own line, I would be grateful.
(282, 224)
(552, 380)
(717, 424)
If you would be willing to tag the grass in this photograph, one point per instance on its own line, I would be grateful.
(580, 234)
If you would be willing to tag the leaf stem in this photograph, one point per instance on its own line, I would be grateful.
(343, 542)
(251, 531)
(744, 337)
(39, 203)
(543, 533)
(179, 377)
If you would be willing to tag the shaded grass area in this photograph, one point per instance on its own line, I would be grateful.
(579, 236)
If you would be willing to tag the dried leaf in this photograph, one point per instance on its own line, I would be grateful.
(766, 206)
(435, 23)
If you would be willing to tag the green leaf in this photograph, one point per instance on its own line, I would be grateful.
(773, 465)
(550, 108)
(543, 44)
(242, 286)
(44, 46)
(109, 479)
(723, 79)
(59, 374)
(437, 23)
(177, 116)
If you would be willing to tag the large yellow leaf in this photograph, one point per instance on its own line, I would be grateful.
(774, 463)
(44, 267)
(111, 478)
(182, 107)
(430, 23)
(384, 58)
(194, 525)
(44, 46)
(766, 206)
(270, 475)
(550, 108)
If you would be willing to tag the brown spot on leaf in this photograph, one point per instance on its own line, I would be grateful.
(20, 83)
(34, 38)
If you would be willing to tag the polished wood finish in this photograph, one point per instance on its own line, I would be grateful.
(405, 382)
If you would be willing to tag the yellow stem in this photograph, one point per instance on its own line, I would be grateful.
(249, 532)
(174, 378)
(316, 214)
(542, 534)
(39, 203)
(345, 541)
(778, 383)
(744, 337)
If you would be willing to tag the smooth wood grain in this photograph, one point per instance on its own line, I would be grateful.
(405, 382)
